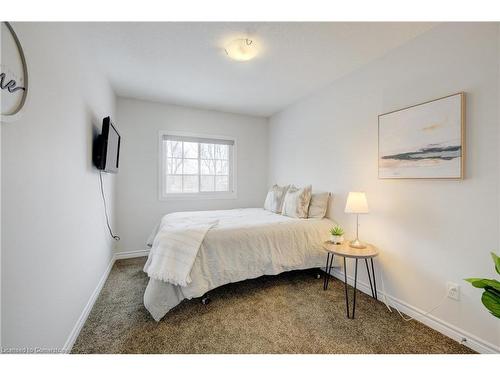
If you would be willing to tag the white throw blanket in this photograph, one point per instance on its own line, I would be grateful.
(175, 248)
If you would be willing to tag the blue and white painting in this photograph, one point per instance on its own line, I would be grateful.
(424, 141)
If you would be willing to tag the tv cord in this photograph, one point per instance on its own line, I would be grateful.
(113, 236)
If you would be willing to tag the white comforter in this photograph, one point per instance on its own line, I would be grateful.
(244, 244)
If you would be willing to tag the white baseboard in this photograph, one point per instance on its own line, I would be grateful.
(131, 254)
(87, 309)
(453, 332)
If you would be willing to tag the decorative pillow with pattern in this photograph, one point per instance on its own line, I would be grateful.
(318, 205)
(274, 199)
(296, 203)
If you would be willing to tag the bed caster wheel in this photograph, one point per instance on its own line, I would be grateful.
(205, 300)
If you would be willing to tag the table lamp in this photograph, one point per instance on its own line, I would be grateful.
(356, 204)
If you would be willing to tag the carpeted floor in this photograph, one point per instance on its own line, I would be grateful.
(288, 313)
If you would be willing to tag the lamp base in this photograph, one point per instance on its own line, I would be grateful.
(357, 244)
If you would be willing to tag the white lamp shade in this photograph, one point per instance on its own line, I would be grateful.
(356, 203)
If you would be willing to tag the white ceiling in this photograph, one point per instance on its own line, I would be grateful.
(184, 63)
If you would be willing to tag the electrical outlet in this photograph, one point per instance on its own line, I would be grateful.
(453, 290)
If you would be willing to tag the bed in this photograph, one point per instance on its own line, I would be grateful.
(243, 244)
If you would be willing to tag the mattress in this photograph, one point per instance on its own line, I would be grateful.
(245, 244)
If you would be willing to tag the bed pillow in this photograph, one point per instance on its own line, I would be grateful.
(296, 203)
(274, 198)
(318, 205)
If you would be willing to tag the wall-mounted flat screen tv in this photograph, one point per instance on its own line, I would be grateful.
(107, 148)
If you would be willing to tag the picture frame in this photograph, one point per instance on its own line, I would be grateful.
(423, 141)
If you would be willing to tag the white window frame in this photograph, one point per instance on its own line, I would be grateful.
(162, 170)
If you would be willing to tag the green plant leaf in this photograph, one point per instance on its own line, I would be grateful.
(336, 231)
(496, 259)
(491, 302)
(483, 283)
(493, 290)
(472, 279)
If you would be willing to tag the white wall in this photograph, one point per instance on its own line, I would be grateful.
(429, 232)
(55, 245)
(139, 123)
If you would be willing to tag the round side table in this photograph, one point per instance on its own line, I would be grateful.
(345, 251)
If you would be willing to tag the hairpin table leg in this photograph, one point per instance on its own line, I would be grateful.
(355, 282)
(369, 277)
(374, 281)
(349, 315)
(325, 280)
(345, 288)
(328, 269)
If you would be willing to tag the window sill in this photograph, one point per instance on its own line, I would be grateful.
(198, 196)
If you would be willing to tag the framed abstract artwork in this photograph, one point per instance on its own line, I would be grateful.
(424, 141)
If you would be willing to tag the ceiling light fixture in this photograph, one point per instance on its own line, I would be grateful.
(242, 49)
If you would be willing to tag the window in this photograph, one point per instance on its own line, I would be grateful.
(193, 166)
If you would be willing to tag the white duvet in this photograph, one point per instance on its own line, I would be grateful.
(244, 244)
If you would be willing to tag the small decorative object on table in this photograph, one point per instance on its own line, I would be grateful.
(337, 235)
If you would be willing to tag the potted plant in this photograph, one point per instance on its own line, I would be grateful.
(491, 294)
(337, 235)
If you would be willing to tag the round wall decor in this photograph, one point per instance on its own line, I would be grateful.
(13, 74)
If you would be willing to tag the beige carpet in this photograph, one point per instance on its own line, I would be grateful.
(288, 313)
